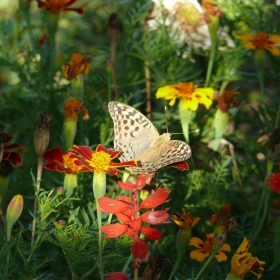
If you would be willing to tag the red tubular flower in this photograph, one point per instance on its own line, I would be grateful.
(117, 276)
(56, 7)
(13, 157)
(274, 181)
(98, 161)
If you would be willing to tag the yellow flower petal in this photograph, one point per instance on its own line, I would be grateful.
(220, 256)
(199, 255)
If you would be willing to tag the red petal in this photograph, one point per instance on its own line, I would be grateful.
(84, 151)
(155, 199)
(141, 182)
(155, 217)
(6, 155)
(137, 225)
(111, 152)
(113, 172)
(125, 216)
(140, 250)
(54, 155)
(114, 230)
(124, 199)
(14, 146)
(123, 164)
(7, 138)
(15, 158)
(151, 233)
(126, 186)
(112, 206)
(116, 276)
(182, 166)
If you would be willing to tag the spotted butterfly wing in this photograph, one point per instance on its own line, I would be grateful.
(137, 138)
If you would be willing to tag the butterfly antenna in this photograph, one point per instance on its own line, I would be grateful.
(197, 130)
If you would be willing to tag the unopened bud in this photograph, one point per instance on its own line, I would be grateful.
(42, 134)
(219, 241)
(61, 190)
(61, 223)
(14, 209)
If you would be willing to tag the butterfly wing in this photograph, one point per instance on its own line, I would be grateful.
(134, 133)
(169, 152)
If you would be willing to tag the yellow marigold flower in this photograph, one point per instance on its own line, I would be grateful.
(242, 262)
(57, 6)
(77, 65)
(261, 41)
(190, 94)
(184, 221)
(205, 248)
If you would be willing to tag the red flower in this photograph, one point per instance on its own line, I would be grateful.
(274, 181)
(77, 65)
(73, 107)
(98, 161)
(57, 6)
(60, 161)
(13, 157)
(117, 276)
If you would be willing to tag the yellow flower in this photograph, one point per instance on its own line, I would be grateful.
(185, 221)
(206, 248)
(261, 41)
(189, 92)
(242, 261)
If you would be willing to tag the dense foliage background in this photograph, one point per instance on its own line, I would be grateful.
(31, 82)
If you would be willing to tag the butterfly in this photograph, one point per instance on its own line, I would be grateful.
(137, 138)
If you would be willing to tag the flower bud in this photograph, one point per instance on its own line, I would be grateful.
(219, 241)
(42, 134)
(14, 209)
(60, 190)
(114, 29)
(61, 223)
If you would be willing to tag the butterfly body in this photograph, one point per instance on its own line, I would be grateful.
(138, 139)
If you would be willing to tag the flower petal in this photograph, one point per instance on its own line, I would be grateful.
(151, 233)
(114, 230)
(155, 199)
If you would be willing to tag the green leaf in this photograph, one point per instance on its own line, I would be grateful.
(6, 248)
(276, 246)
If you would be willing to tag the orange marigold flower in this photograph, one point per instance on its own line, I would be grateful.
(60, 161)
(226, 99)
(57, 6)
(189, 92)
(77, 65)
(205, 248)
(210, 8)
(99, 160)
(73, 107)
(261, 41)
(223, 219)
(243, 262)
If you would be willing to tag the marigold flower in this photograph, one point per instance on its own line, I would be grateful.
(185, 221)
(226, 99)
(57, 6)
(60, 161)
(13, 157)
(206, 248)
(189, 93)
(98, 161)
(261, 41)
(243, 262)
(77, 65)
(73, 107)
(223, 219)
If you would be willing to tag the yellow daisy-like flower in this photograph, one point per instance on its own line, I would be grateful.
(261, 41)
(184, 221)
(189, 92)
(205, 248)
(243, 262)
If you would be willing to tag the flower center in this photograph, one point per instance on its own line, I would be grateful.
(186, 89)
(260, 41)
(208, 247)
(68, 163)
(100, 161)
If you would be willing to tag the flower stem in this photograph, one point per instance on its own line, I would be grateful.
(260, 74)
(99, 188)
(211, 59)
(176, 265)
(206, 263)
(185, 117)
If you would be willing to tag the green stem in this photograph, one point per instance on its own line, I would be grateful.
(176, 265)
(109, 75)
(223, 87)
(277, 117)
(38, 240)
(211, 59)
(99, 189)
(127, 263)
(260, 74)
(185, 117)
(70, 266)
(206, 263)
